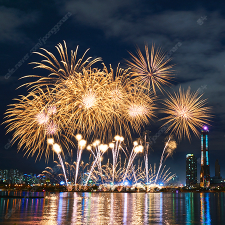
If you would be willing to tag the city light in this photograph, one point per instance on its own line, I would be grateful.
(205, 128)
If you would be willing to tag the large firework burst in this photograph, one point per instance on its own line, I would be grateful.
(187, 111)
(35, 118)
(75, 98)
(132, 108)
(151, 71)
(101, 104)
(85, 102)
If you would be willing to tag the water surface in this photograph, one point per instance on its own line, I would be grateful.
(114, 208)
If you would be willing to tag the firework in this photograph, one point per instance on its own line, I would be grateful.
(81, 146)
(186, 111)
(98, 151)
(135, 174)
(70, 170)
(58, 150)
(32, 121)
(76, 98)
(96, 104)
(119, 89)
(117, 174)
(115, 151)
(85, 103)
(153, 71)
(140, 109)
(59, 70)
(170, 146)
(135, 150)
(146, 156)
(50, 173)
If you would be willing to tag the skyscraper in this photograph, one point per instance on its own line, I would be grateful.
(217, 169)
(191, 170)
(204, 173)
(15, 176)
(217, 180)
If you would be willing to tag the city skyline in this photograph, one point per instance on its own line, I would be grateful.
(192, 48)
(153, 158)
(112, 112)
(196, 164)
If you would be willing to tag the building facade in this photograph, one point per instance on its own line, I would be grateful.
(15, 176)
(217, 169)
(204, 172)
(191, 170)
(217, 180)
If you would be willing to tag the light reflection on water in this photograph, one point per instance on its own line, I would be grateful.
(115, 208)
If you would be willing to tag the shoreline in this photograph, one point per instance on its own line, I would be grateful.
(176, 191)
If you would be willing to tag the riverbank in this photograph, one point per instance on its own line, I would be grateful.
(111, 189)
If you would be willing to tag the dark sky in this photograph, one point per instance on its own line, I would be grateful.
(110, 29)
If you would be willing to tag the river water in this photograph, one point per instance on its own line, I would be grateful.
(114, 208)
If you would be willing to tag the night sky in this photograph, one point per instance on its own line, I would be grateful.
(191, 32)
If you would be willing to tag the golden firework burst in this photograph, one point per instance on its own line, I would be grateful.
(85, 102)
(187, 111)
(140, 109)
(60, 70)
(75, 98)
(151, 71)
(35, 118)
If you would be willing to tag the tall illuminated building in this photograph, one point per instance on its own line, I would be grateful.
(191, 170)
(204, 173)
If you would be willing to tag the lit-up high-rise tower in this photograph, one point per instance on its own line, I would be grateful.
(204, 173)
(191, 170)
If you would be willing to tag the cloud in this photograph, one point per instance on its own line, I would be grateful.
(128, 19)
(12, 22)
(201, 58)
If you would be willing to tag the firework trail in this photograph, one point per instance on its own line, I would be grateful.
(81, 145)
(70, 169)
(135, 150)
(115, 152)
(57, 149)
(170, 146)
(143, 139)
(136, 173)
(118, 172)
(146, 158)
(99, 149)
(63, 168)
